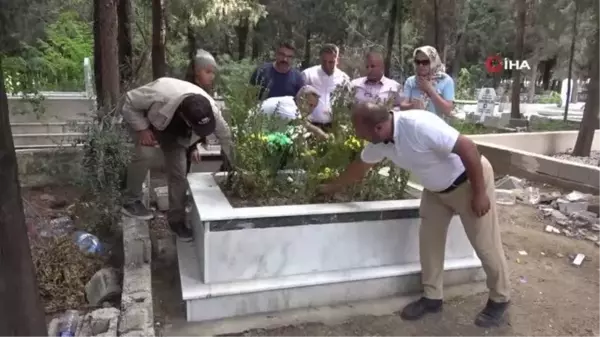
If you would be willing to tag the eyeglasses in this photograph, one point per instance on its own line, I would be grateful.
(422, 62)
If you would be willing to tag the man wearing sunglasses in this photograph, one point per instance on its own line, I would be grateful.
(172, 114)
(431, 88)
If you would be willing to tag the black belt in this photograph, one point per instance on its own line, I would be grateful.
(456, 183)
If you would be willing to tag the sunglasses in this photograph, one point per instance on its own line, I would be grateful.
(422, 62)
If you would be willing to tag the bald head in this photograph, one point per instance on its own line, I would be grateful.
(372, 122)
(374, 65)
(370, 114)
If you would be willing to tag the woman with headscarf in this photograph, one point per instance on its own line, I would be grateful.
(430, 88)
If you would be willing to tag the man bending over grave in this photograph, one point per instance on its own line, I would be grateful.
(289, 108)
(456, 180)
(172, 114)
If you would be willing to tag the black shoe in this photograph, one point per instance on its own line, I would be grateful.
(137, 210)
(491, 315)
(419, 308)
(184, 233)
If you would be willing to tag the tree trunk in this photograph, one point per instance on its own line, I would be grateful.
(242, 34)
(21, 307)
(256, 39)
(461, 40)
(532, 78)
(400, 51)
(390, 38)
(307, 46)
(125, 44)
(109, 55)
(547, 75)
(97, 57)
(515, 111)
(571, 56)
(589, 121)
(436, 26)
(159, 63)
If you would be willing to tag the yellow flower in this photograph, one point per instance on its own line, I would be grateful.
(327, 173)
(309, 153)
(353, 143)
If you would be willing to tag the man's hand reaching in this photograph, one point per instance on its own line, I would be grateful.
(146, 138)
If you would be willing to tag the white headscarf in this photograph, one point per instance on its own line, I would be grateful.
(436, 67)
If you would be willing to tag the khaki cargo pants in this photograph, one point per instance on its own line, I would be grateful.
(175, 159)
(436, 211)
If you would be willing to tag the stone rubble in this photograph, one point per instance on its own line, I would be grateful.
(574, 214)
(593, 159)
(103, 286)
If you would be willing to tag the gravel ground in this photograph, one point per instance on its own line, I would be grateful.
(591, 160)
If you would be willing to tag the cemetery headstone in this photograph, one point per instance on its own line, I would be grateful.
(87, 73)
(486, 100)
(563, 92)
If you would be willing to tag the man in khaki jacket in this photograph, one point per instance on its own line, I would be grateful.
(173, 114)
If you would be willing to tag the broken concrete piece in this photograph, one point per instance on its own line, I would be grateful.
(559, 217)
(576, 196)
(571, 207)
(578, 259)
(594, 208)
(505, 197)
(509, 183)
(100, 322)
(522, 252)
(103, 286)
(552, 229)
(547, 198)
(586, 217)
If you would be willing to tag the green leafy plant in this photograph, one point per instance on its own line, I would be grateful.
(106, 154)
(276, 163)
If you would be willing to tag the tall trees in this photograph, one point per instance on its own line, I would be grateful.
(515, 111)
(21, 311)
(124, 11)
(589, 122)
(106, 53)
(159, 66)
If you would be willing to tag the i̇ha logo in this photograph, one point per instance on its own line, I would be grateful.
(495, 64)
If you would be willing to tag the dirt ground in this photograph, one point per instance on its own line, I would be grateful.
(551, 297)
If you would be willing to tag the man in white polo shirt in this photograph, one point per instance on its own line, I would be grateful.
(456, 180)
(325, 77)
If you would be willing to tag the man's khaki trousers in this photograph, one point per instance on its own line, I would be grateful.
(436, 212)
(175, 166)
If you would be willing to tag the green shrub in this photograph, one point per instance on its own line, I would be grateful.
(264, 149)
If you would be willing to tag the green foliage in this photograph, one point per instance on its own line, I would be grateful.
(55, 62)
(276, 163)
(106, 154)
(464, 86)
(467, 128)
(551, 97)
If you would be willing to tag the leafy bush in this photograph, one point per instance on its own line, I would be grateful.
(550, 98)
(55, 63)
(106, 154)
(275, 163)
(464, 86)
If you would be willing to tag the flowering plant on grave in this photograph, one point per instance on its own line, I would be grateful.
(263, 148)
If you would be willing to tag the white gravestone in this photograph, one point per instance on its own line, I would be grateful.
(563, 92)
(486, 100)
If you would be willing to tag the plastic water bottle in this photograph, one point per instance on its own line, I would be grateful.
(88, 242)
(68, 324)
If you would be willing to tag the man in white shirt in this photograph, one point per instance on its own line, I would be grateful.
(289, 108)
(376, 87)
(325, 77)
(456, 180)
